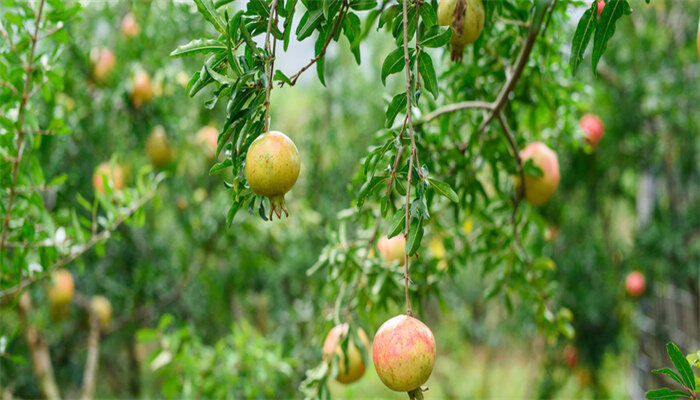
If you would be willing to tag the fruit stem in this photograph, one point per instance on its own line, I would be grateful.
(416, 394)
(277, 206)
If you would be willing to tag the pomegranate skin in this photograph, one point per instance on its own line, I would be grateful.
(272, 167)
(635, 283)
(472, 26)
(61, 288)
(142, 91)
(538, 190)
(592, 128)
(601, 5)
(403, 352)
(394, 249)
(112, 174)
(331, 347)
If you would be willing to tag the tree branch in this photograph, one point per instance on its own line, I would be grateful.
(41, 358)
(93, 352)
(270, 61)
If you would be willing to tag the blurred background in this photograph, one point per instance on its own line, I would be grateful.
(203, 310)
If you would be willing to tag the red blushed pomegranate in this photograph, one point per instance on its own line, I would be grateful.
(102, 308)
(102, 63)
(355, 365)
(130, 27)
(538, 190)
(208, 136)
(570, 356)
(394, 249)
(106, 173)
(61, 288)
(635, 283)
(592, 128)
(272, 168)
(142, 91)
(403, 352)
(601, 5)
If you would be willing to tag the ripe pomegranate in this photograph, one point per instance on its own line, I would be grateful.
(403, 352)
(570, 356)
(272, 168)
(601, 4)
(102, 63)
(538, 190)
(332, 346)
(635, 283)
(114, 175)
(592, 128)
(208, 136)
(142, 90)
(102, 308)
(61, 288)
(472, 24)
(394, 249)
(130, 27)
(159, 151)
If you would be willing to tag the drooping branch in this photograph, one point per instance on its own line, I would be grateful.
(41, 357)
(26, 93)
(271, 61)
(93, 352)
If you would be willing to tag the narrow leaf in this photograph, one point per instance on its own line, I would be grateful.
(444, 189)
(605, 28)
(427, 72)
(393, 63)
(397, 105)
(584, 30)
(682, 365)
(436, 36)
(666, 394)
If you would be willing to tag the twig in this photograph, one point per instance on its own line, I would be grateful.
(41, 357)
(516, 155)
(338, 20)
(270, 61)
(450, 108)
(20, 127)
(93, 352)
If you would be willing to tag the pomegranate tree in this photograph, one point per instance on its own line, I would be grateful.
(393, 250)
(466, 27)
(158, 149)
(130, 27)
(592, 128)
(403, 352)
(355, 364)
(635, 283)
(61, 288)
(102, 308)
(539, 189)
(142, 89)
(272, 168)
(107, 173)
(102, 63)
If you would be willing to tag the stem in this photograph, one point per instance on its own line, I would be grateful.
(20, 127)
(41, 357)
(416, 394)
(270, 61)
(93, 351)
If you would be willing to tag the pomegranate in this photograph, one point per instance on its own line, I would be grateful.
(601, 5)
(394, 249)
(142, 90)
(112, 173)
(635, 283)
(570, 356)
(207, 136)
(472, 24)
(272, 168)
(355, 364)
(102, 308)
(550, 233)
(159, 151)
(61, 288)
(538, 190)
(403, 352)
(130, 27)
(102, 63)
(592, 128)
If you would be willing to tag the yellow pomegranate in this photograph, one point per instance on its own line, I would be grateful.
(158, 149)
(355, 364)
(472, 24)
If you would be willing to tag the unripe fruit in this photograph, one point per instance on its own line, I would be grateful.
(142, 90)
(61, 288)
(113, 175)
(159, 151)
(570, 356)
(332, 346)
(403, 352)
(102, 63)
(473, 24)
(394, 249)
(102, 308)
(130, 27)
(208, 136)
(635, 283)
(538, 190)
(592, 128)
(272, 167)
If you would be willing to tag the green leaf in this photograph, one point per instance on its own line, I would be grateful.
(436, 36)
(605, 29)
(444, 189)
(427, 15)
(281, 77)
(415, 234)
(393, 63)
(681, 364)
(427, 72)
(207, 9)
(198, 46)
(368, 187)
(584, 30)
(312, 20)
(397, 223)
(398, 104)
(362, 5)
(670, 373)
(666, 394)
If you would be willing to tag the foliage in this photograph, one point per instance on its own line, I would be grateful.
(683, 375)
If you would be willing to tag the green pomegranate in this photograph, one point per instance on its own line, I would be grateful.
(272, 168)
(472, 24)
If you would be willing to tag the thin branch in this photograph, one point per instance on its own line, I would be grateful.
(93, 352)
(270, 61)
(41, 357)
(450, 108)
(338, 20)
(516, 155)
(20, 125)
(9, 294)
